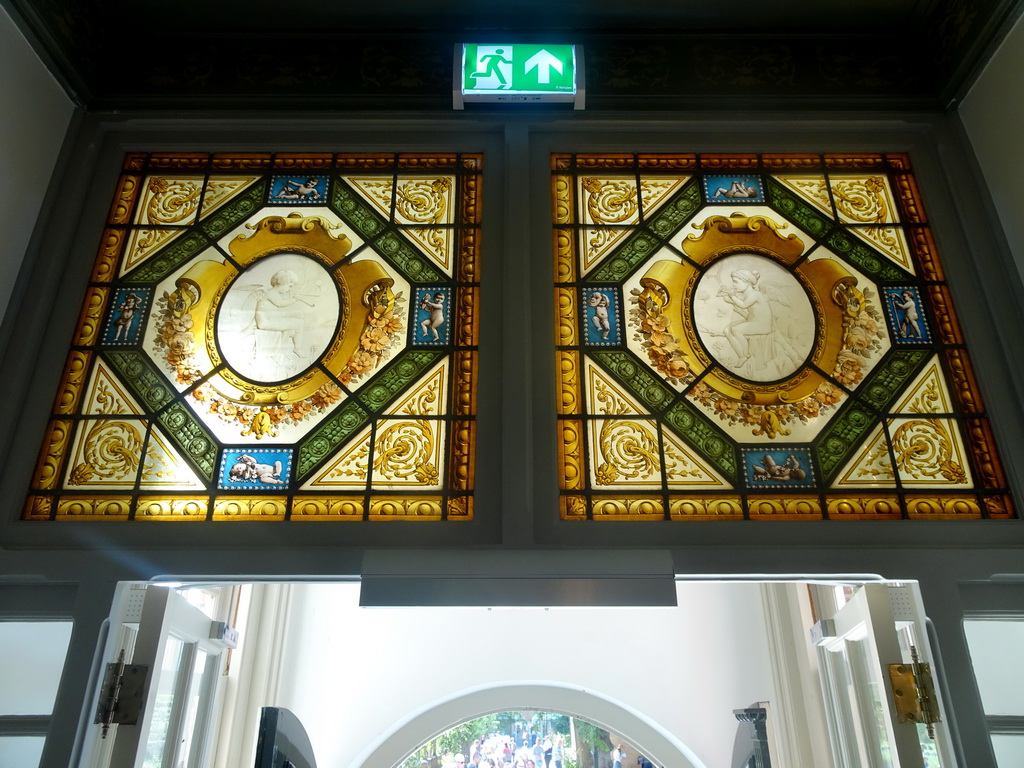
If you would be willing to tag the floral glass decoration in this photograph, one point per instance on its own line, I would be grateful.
(760, 337)
(274, 337)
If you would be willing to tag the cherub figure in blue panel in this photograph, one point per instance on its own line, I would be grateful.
(125, 320)
(729, 188)
(254, 468)
(602, 310)
(906, 315)
(432, 308)
(779, 467)
(297, 188)
(906, 309)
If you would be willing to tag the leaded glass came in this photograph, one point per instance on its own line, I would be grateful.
(760, 337)
(287, 336)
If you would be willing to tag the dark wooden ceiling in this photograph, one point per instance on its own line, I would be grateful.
(640, 54)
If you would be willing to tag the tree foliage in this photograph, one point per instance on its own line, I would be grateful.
(557, 723)
(458, 739)
(589, 737)
(594, 736)
(461, 737)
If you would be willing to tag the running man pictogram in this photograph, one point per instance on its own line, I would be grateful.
(492, 66)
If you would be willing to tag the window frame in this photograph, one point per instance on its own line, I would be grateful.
(517, 373)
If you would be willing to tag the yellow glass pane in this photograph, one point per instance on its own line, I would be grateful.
(274, 336)
(771, 340)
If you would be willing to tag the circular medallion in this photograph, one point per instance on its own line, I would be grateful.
(277, 318)
(754, 317)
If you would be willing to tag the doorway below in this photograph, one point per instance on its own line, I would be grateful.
(371, 685)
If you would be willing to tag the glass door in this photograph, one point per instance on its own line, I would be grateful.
(877, 627)
(174, 640)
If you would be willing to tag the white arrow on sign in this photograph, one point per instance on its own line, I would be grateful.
(544, 62)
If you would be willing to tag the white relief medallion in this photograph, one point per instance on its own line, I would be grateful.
(277, 318)
(754, 317)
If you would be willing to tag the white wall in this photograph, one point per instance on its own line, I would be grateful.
(352, 674)
(993, 114)
(33, 120)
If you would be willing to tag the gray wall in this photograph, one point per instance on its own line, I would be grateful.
(34, 119)
(993, 114)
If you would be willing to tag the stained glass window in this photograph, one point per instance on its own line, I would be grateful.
(760, 337)
(274, 337)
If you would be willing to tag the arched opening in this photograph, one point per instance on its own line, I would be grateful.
(655, 742)
(355, 675)
(677, 685)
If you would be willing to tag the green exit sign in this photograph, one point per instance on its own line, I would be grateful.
(518, 72)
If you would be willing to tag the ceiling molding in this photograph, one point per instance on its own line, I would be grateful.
(113, 55)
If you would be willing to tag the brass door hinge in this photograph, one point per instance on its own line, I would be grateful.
(121, 695)
(914, 693)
